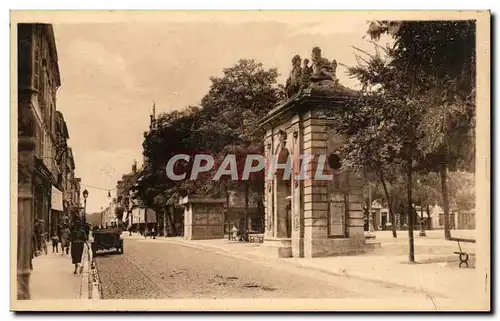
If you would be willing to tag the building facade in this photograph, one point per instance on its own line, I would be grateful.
(460, 219)
(123, 194)
(38, 81)
(42, 143)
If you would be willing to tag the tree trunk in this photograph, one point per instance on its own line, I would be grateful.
(247, 187)
(429, 225)
(171, 216)
(389, 204)
(226, 214)
(165, 228)
(446, 205)
(261, 210)
(393, 218)
(410, 213)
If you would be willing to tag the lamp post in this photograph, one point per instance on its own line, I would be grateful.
(102, 212)
(85, 195)
(109, 212)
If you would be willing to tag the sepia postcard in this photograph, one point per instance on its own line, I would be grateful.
(250, 161)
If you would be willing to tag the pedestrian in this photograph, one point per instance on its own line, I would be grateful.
(234, 231)
(78, 241)
(55, 243)
(65, 236)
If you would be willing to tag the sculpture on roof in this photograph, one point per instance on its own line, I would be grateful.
(323, 70)
(305, 76)
(293, 82)
(322, 73)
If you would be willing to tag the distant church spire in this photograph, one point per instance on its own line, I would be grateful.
(152, 117)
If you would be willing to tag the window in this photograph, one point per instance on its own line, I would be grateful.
(37, 41)
(39, 146)
(42, 140)
(334, 161)
(42, 86)
(49, 120)
(36, 73)
(441, 219)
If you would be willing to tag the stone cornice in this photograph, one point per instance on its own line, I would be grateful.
(307, 99)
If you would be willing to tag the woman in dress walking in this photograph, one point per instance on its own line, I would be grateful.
(64, 237)
(78, 239)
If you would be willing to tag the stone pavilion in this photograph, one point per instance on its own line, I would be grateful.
(309, 217)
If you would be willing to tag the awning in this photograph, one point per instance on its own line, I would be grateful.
(57, 199)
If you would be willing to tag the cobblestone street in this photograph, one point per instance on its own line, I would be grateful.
(162, 270)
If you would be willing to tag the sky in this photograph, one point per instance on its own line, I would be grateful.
(112, 72)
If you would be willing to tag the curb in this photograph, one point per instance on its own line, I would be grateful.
(90, 285)
(273, 261)
(84, 283)
(94, 281)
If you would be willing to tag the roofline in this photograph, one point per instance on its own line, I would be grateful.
(53, 51)
(301, 99)
(72, 160)
(65, 126)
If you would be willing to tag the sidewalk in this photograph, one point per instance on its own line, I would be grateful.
(52, 277)
(436, 271)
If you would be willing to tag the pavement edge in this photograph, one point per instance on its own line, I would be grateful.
(90, 288)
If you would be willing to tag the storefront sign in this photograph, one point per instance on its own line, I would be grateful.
(57, 199)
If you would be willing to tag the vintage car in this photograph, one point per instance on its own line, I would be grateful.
(106, 239)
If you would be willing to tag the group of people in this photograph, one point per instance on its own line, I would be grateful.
(72, 238)
(150, 232)
(112, 225)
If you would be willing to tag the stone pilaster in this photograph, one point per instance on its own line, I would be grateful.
(268, 185)
(315, 193)
(356, 218)
(25, 210)
(297, 190)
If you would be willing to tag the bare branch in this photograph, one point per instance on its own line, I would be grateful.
(363, 51)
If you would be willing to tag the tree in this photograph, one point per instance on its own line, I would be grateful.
(442, 54)
(232, 108)
(226, 119)
(381, 125)
(119, 210)
(171, 135)
(462, 190)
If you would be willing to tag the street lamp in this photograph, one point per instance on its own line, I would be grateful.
(109, 213)
(85, 195)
